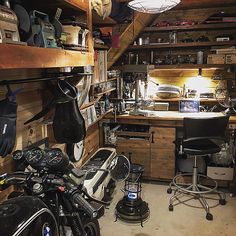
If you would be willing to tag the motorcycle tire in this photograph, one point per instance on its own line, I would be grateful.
(91, 227)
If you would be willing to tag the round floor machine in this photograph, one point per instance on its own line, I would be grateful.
(131, 208)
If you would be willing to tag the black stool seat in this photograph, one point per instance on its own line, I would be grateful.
(136, 168)
(200, 147)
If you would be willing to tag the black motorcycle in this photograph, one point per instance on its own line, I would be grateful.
(50, 199)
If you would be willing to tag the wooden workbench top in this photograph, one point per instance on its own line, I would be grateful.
(167, 116)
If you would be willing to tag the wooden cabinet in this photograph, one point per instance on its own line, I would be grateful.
(138, 150)
(155, 151)
(162, 152)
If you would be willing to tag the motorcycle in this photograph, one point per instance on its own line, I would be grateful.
(54, 201)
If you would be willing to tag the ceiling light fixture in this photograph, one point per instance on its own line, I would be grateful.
(153, 6)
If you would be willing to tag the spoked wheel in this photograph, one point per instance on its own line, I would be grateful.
(91, 227)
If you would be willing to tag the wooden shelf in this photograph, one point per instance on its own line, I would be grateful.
(192, 27)
(190, 66)
(181, 98)
(107, 91)
(81, 4)
(100, 47)
(98, 21)
(84, 106)
(182, 45)
(17, 56)
(100, 117)
(108, 80)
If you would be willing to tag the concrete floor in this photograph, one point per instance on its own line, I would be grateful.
(183, 221)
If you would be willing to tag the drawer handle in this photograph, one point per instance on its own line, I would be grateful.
(153, 136)
(219, 173)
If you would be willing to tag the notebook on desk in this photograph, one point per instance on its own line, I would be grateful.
(189, 105)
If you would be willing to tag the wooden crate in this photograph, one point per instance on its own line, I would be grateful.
(216, 59)
(230, 59)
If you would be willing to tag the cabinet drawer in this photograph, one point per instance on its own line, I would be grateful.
(162, 137)
(133, 143)
(221, 173)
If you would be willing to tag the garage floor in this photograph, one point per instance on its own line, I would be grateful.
(183, 221)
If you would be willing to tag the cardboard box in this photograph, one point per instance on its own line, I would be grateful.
(220, 173)
(216, 59)
(230, 59)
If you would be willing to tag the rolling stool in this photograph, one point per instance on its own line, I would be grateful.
(131, 208)
(199, 134)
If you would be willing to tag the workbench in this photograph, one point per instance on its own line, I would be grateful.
(155, 149)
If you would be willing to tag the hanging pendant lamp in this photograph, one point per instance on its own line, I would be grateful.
(153, 6)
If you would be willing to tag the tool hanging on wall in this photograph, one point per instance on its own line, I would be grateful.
(8, 115)
(68, 123)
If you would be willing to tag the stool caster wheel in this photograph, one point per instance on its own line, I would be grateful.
(169, 190)
(209, 216)
(171, 208)
(222, 201)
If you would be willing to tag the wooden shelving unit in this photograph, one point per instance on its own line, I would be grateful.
(191, 27)
(182, 45)
(15, 56)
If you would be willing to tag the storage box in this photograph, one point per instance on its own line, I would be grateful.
(230, 59)
(220, 173)
(216, 59)
(226, 50)
(161, 106)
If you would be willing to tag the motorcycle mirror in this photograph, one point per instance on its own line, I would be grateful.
(119, 168)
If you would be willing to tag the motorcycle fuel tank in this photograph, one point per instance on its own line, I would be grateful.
(26, 216)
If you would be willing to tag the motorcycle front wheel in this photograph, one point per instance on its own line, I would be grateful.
(91, 227)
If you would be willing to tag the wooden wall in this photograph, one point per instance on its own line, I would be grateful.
(30, 101)
(186, 77)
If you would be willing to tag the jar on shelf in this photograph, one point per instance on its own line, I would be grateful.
(200, 57)
(173, 37)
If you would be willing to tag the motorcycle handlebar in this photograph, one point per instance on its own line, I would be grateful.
(76, 197)
(90, 210)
